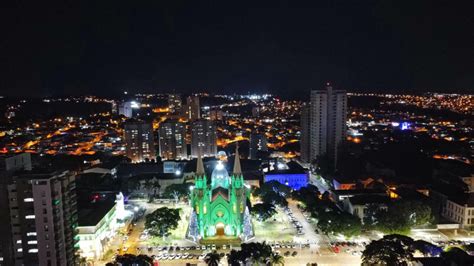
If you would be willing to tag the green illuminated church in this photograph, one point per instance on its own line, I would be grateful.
(220, 208)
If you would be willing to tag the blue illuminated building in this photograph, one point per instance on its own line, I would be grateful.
(292, 175)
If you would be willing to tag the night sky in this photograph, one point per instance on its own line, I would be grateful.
(286, 48)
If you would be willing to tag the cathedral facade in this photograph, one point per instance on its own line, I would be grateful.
(220, 206)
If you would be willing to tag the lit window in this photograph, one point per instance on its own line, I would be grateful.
(28, 200)
(19, 250)
(33, 250)
(29, 217)
(32, 242)
(18, 241)
(31, 234)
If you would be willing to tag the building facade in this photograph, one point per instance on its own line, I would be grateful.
(220, 209)
(193, 111)
(94, 234)
(172, 140)
(305, 148)
(203, 139)
(460, 210)
(174, 103)
(43, 218)
(139, 141)
(328, 115)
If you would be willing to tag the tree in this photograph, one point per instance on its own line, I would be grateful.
(263, 211)
(456, 256)
(162, 221)
(276, 259)
(426, 248)
(277, 187)
(308, 195)
(256, 251)
(236, 258)
(334, 222)
(370, 216)
(324, 165)
(133, 260)
(391, 250)
(212, 259)
(274, 198)
(177, 191)
(402, 215)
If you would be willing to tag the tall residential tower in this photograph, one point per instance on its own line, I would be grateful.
(327, 122)
(172, 140)
(203, 138)
(140, 145)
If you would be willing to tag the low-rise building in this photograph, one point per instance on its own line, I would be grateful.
(97, 225)
(460, 209)
(291, 174)
(358, 205)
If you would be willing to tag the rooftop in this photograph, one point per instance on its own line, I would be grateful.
(90, 214)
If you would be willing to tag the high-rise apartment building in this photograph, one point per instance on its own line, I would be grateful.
(203, 138)
(258, 142)
(327, 122)
(42, 213)
(193, 111)
(174, 103)
(139, 141)
(9, 164)
(305, 134)
(172, 140)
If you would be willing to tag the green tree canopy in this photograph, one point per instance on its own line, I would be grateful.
(308, 195)
(402, 215)
(213, 258)
(391, 250)
(272, 186)
(177, 191)
(334, 222)
(274, 198)
(263, 211)
(133, 260)
(162, 221)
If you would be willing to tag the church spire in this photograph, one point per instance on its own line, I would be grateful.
(200, 166)
(237, 168)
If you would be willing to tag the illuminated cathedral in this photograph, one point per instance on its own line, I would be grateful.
(220, 208)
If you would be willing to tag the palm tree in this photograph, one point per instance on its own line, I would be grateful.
(156, 187)
(276, 259)
(212, 259)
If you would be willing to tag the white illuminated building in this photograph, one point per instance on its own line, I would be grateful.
(100, 227)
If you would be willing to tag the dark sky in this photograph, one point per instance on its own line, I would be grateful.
(103, 47)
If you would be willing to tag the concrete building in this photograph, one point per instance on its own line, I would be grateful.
(360, 205)
(172, 140)
(16, 162)
(216, 115)
(125, 109)
(9, 164)
(175, 103)
(291, 174)
(258, 142)
(97, 226)
(139, 143)
(203, 139)
(43, 215)
(305, 148)
(193, 111)
(327, 122)
(460, 209)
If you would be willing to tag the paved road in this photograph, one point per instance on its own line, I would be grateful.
(320, 184)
